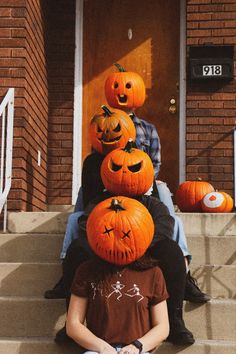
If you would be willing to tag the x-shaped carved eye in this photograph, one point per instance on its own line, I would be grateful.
(107, 231)
(115, 167)
(126, 234)
(136, 167)
(117, 129)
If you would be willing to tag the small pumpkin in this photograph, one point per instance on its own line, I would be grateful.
(217, 202)
(127, 171)
(189, 195)
(120, 230)
(111, 129)
(125, 89)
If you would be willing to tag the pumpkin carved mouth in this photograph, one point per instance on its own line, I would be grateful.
(110, 140)
(122, 99)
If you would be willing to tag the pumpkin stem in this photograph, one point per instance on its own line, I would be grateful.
(129, 146)
(106, 110)
(120, 67)
(116, 205)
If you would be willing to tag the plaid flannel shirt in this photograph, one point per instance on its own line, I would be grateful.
(147, 139)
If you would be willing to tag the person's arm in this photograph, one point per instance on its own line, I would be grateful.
(155, 150)
(92, 184)
(163, 221)
(76, 329)
(157, 334)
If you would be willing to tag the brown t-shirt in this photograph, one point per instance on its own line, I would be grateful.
(118, 311)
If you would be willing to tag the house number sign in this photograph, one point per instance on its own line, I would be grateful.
(212, 70)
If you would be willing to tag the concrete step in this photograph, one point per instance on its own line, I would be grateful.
(213, 250)
(30, 247)
(55, 222)
(32, 279)
(37, 222)
(209, 224)
(47, 248)
(39, 317)
(47, 346)
(35, 278)
(217, 281)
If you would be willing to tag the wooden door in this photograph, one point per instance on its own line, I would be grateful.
(143, 36)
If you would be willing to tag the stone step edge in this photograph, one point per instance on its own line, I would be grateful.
(38, 234)
(42, 263)
(51, 340)
(42, 299)
(34, 234)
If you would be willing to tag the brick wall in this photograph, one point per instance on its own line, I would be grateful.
(60, 60)
(22, 66)
(37, 58)
(211, 108)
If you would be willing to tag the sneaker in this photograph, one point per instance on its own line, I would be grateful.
(58, 292)
(192, 291)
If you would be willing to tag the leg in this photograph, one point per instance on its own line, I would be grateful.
(79, 202)
(58, 291)
(71, 233)
(172, 263)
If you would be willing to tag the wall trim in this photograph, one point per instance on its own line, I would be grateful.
(182, 93)
(78, 101)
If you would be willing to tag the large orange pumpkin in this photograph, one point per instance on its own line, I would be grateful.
(190, 193)
(111, 129)
(125, 89)
(217, 202)
(120, 230)
(127, 171)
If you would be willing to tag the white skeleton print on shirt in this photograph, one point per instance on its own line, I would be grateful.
(135, 291)
(117, 289)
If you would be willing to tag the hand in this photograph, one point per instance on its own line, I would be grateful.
(129, 349)
(108, 349)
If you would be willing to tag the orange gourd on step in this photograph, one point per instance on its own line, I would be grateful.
(189, 195)
(125, 89)
(217, 202)
(119, 230)
(127, 171)
(111, 129)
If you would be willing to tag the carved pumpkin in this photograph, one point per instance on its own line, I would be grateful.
(125, 89)
(217, 202)
(190, 193)
(111, 129)
(120, 230)
(127, 171)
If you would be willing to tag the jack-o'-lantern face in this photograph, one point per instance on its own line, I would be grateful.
(120, 230)
(111, 129)
(125, 89)
(127, 171)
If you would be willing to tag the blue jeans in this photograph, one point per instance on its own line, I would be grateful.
(71, 233)
(179, 234)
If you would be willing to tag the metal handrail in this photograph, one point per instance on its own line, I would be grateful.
(6, 145)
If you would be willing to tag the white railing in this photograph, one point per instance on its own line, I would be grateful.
(6, 145)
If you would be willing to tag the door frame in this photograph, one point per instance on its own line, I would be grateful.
(78, 97)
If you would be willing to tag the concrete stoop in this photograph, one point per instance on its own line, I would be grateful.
(29, 264)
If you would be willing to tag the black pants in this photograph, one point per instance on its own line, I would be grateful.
(167, 252)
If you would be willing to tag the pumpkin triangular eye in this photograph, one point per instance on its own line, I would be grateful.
(115, 167)
(117, 129)
(99, 130)
(136, 167)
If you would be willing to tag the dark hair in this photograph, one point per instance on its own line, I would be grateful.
(104, 269)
